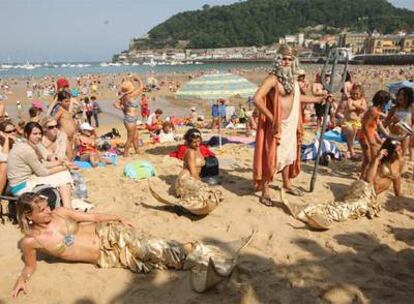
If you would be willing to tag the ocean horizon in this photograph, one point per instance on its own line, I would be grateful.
(73, 69)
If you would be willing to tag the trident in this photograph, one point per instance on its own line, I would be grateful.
(331, 88)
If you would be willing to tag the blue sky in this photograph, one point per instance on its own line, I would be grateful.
(84, 30)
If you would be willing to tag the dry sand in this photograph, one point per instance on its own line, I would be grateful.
(354, 262)
(285, 263)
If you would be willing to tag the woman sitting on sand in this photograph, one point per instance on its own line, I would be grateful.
(129, 105)
(85, 143)
(361, 198)
(402, 112)
(26, 171)
(355, 108)
(194, 195)
(7, 139)
(54, 144)
(107, 241)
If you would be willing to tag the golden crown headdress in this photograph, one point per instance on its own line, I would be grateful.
(286, 50)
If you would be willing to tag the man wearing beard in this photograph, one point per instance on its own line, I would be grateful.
(279, 130)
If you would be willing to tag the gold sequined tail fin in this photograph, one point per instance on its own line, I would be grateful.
(159, 197)
(216, 272)
(293, 208)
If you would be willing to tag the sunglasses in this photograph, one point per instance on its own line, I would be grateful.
(10, 131)
(51, 127)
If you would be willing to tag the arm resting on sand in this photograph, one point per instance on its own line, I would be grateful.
(260, 97)
(28, 247)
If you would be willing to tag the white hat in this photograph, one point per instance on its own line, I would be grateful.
(86, 127)
(193, 109)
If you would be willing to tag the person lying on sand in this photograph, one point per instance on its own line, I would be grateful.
(109, 241)
(361, 198)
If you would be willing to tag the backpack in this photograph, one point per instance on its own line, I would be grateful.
(211, 168)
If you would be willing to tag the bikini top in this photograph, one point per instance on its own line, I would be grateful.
(72, 228)
(132, 104)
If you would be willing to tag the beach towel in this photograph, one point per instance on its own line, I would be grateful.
(139, 169)
(214, 140)
(88, 165)
(309, 152)
(334, 135)
(182, 149)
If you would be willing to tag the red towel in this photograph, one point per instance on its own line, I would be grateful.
(183, 148)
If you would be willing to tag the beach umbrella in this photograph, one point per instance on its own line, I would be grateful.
(394, 87)
(218, 85)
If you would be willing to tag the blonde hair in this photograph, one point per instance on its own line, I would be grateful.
(25, 205)
(46, 120)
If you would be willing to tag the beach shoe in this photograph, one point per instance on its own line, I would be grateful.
(80, 205)
(267, 201)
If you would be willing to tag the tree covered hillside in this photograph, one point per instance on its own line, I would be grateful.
(262, 22)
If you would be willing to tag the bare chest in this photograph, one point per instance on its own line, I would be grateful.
(286, 102)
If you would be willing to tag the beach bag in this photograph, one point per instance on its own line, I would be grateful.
(211, 168)
(139, 169)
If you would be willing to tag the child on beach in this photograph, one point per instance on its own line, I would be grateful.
(85, 143)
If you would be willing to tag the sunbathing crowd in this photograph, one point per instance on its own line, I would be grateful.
(42, 150)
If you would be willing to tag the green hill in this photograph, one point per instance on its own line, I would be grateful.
(262, 22)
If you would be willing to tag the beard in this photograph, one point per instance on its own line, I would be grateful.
(285, 75)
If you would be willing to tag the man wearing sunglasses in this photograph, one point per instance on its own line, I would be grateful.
(279, 130)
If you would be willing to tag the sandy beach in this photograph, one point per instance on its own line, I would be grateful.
(366, 260)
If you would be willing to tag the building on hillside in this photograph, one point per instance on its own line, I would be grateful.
(390, 44)
(293, 40)
(355, 41)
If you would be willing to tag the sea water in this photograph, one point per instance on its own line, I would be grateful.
(75, 69)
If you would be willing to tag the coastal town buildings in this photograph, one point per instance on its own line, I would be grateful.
(312, 46)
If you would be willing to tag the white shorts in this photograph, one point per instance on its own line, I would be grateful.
(55, 180)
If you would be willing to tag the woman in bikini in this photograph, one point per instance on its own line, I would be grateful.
(193, 195)
(129, 105)
(107, 241)
(369, 137)
(355, 108)
(402, 112)
(361, 198)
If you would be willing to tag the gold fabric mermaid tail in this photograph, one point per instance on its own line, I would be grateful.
(122, 248)
(194, 196)
(210, 265)
(360, 200)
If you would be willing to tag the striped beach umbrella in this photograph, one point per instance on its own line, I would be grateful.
(214, 86)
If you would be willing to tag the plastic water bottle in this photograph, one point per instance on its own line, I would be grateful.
(80, 190)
